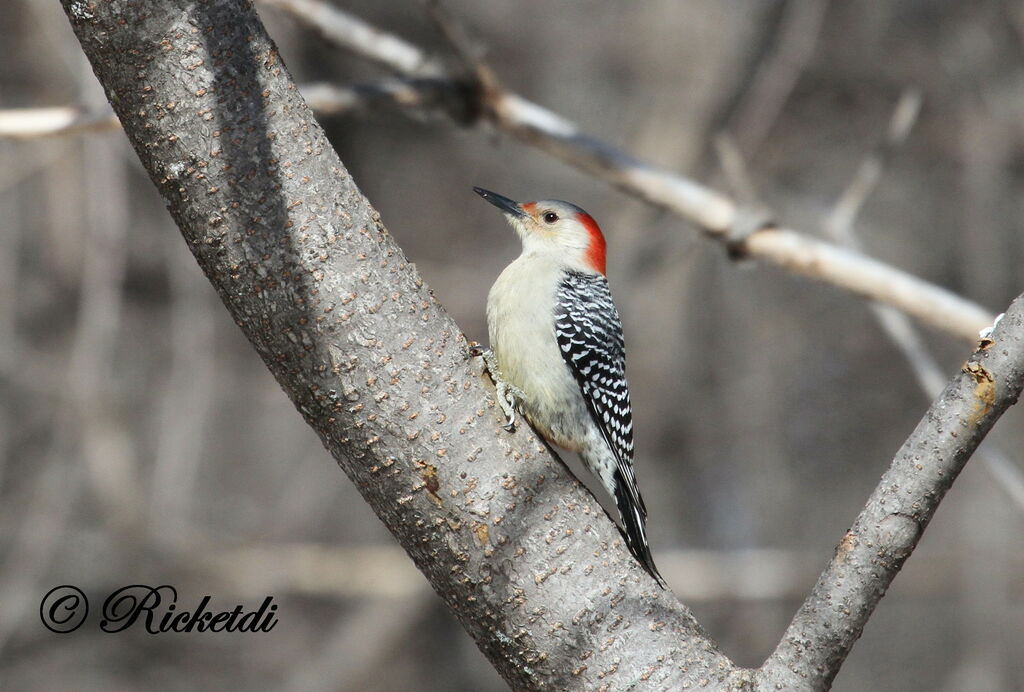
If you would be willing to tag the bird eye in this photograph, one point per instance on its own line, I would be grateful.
(550, 217)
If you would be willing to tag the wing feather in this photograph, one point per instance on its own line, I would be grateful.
(589, 334)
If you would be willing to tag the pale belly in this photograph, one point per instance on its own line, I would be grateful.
(522, 335)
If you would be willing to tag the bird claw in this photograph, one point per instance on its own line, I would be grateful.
(507, 393)
(507, 401)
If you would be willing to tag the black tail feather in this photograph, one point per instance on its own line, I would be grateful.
(633, 517)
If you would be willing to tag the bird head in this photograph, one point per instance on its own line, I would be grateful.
(556, 228)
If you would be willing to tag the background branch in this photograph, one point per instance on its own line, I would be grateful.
(715, 214)
(841, 227)
(419, 93)
(30, 123)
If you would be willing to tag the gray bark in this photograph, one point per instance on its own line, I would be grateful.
(519, 551)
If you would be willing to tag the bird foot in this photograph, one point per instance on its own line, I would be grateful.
(507, 393)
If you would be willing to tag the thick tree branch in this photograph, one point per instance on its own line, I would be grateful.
(520, 552)
(717, 215)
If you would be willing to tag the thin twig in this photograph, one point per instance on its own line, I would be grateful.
(737, 175)
(840, 226)
(414, 93)
(840, 221)
(419, 93)
(189, 397)
(777, 73)
(10, 285)
(32, 123)
(352, 33)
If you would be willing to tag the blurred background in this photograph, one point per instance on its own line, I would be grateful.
(142, 440)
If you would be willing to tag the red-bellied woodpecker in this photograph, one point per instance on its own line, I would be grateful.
(557, 350)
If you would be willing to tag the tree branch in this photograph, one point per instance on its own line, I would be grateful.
(417, 93)
(717, 215)
(361, 37)
(888, 528)
(32, 123)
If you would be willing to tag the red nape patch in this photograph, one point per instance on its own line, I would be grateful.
(596, 252)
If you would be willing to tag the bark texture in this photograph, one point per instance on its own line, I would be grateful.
(520, 552)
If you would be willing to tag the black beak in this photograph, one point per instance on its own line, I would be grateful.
(504, 203)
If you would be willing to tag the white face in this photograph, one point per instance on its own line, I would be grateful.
(551, 225)
(554, 228)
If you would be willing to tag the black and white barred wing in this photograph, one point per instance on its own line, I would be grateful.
(589, 335)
